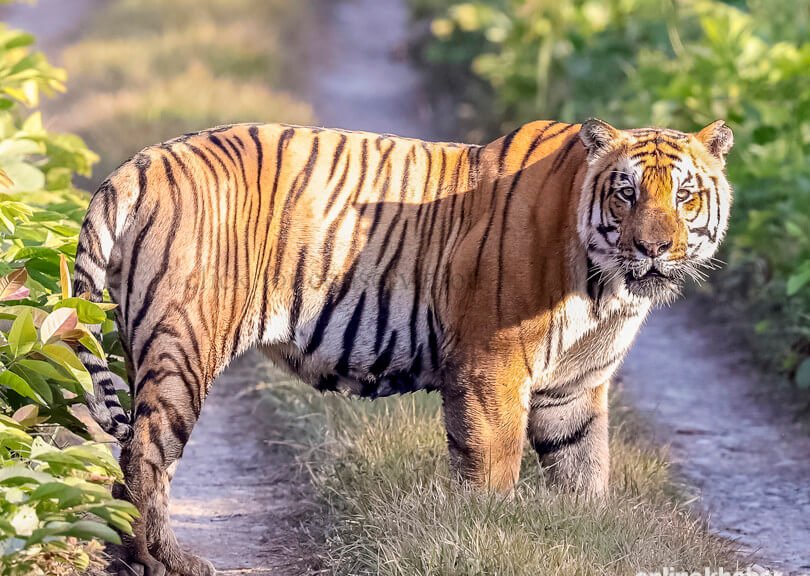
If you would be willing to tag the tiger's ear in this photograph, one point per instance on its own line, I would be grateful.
(598, 137)
(718, 139)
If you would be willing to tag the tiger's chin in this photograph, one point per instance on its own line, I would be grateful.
(653, 285)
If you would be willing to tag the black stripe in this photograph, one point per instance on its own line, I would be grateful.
(552, 398)
(433, 340)
(383, 361)
(298, 292)
(328, 252)
(562, 156)
(507, 144)
(350, 336)
(333, 196)
(296, 189)
(384, 295)
(219, 144)
(544, 447)
(398, 214)
(204, 157)
(149, 293)
(539, 139)
(336, 156)
(337, 292)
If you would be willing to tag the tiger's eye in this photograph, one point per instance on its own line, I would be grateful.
(627, 193)
(684, 194)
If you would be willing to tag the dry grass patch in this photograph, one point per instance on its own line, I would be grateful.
(149, 70)
(381, 472)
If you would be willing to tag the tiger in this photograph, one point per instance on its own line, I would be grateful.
(510, 277)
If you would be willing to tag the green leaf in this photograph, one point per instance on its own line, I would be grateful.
(19, 475)
(36, 381)
(121, 521)
(65, 494)
(45, 369)
(89, 341)
(23, 335)
(798, 281)
(68, 360)
(89, 312)
(14, 382)
(87, 529)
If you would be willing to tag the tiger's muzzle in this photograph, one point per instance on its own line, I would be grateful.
(656, 278)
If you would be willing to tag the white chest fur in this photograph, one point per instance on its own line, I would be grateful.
(587, 340)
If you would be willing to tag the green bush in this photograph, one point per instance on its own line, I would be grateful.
(680, 64)
(54, 491)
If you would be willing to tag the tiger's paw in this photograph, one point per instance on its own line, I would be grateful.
(124, 562)
(190, 565)
(119, 567)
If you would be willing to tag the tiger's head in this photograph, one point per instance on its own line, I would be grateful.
(655, 204)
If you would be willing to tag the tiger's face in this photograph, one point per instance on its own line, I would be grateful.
(655, 204)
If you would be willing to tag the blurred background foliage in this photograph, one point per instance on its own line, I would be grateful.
(676, 63)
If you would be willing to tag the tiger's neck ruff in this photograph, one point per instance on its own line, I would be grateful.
(511, 277)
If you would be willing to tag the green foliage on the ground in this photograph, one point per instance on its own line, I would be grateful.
(678, 64)
(54, 491)
(380, 470)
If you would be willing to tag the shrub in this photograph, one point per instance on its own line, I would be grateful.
(54, 491)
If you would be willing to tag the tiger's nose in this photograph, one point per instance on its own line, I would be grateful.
(653, 249)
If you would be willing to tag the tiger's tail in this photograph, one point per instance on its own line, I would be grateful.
(107, 218)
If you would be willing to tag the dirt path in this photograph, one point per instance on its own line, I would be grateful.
(749, 464)
(240, 504)
(361, 78)
(53, 22)
(752, 471)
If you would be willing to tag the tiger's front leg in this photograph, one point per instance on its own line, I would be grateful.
(569, 432)
(485, 419)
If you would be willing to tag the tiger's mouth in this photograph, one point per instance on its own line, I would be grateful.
(651, 283)
(652, 273)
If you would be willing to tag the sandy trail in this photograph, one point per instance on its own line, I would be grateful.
(53, 22)
(747, 461)
(239, 503)
(237, 499)
(752, 470)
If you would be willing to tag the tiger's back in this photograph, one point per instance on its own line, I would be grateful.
(307, 242)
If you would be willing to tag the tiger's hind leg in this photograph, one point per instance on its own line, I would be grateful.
(168, 403)
(569, 432)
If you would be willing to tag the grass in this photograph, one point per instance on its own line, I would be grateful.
(145, 71)
(381, 473)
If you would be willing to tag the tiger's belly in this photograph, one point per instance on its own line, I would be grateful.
(358, 349)
(357, 353)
